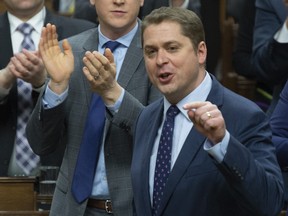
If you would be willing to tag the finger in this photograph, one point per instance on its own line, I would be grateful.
(108, 66)
(109, 55)
(22, 63)
(88, 74)
(194, 105)
(92, 61)
(90, 67)
(16, 68)
(32, 57)
(54, 36)
(67, 47)
(17, 63)
(49, 35)
(42, 43)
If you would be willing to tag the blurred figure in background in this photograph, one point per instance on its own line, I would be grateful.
(242, 55)
(22, 76)
(270, 45)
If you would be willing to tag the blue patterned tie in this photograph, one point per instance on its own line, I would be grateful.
(26, 29)
(90, 147)
(25, 157)
(163, 161)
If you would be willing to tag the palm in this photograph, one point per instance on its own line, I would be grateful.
(59, 64)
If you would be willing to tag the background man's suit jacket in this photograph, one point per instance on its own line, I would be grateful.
(64, 125)
(269, 56)
(197, 184)
(8, 112)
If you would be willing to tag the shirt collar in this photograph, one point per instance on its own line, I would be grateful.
(125, 40)
(199, 94)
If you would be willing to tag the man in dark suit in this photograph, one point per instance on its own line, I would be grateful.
(270, 45)
(218, 157)
(13, 64)
(77, 77)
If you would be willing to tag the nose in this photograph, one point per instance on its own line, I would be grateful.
(161, 57)
(119, 1)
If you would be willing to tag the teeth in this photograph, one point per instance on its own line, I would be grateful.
(164, 75)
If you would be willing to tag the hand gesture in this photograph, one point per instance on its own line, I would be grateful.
(29, 67)
(59, 64)
(207, 119)
(100, 70)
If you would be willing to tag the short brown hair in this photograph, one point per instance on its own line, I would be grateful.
(190, 23)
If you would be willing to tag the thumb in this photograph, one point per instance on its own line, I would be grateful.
(66, 47)
(109, 55)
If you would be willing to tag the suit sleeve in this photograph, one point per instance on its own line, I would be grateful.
(279, 125)
(250, 166)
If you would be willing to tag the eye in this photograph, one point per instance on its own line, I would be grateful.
(149, 52)
(172, 48)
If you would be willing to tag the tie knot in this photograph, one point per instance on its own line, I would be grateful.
(25, 28)
(112, 45)
(172, 111)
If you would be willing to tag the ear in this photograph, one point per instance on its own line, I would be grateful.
(202, 52)
(92, 2)
(141, 3)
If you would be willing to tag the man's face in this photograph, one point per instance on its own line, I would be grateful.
(117, 16)
(21, 8)
(173, 65)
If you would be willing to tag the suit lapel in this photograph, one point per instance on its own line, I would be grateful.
(193, 144)
(132, 59)
(185, 158)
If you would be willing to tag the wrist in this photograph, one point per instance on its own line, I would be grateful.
(6, 79)
(58, 88)
(111, 96)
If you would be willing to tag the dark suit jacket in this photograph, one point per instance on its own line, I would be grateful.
(8, 111)
(269, 56)
(150, 5)
(242, 56)
(279, 125)
(247, 182)
(63, 126)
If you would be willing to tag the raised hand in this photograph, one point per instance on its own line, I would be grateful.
(59, 64)
(100, 70)
(207, 119)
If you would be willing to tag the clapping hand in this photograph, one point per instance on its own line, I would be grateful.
(59, 64)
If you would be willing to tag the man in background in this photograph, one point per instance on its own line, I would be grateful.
(21, 66)
(98, 86)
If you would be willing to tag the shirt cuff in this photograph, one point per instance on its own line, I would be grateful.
(115, 107)
(281, 35)
(219, 150)
(38, 89)
(51, 99)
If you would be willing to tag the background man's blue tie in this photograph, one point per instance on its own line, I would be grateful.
(25, 157)
(163, 161)
(90, 146)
